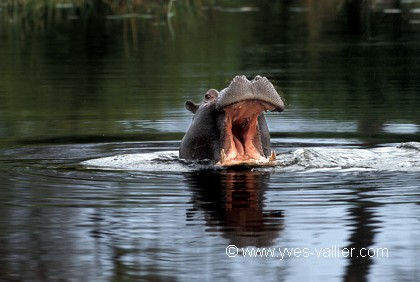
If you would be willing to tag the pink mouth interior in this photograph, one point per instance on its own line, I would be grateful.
(242, 142)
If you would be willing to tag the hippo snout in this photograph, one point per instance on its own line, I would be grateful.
(229, 127)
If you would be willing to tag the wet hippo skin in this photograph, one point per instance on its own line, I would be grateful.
(229, 127)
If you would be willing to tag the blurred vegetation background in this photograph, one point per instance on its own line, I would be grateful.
(74, 69)
(39, 15)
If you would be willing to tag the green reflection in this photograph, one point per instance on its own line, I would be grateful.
(71, 72)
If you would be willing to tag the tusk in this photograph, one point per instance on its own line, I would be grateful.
(272, 156)
(222, 156)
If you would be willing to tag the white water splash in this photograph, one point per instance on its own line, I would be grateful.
(155, 161)
(405, 157)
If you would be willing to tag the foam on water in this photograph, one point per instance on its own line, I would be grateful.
(155, 161)
(405, 157)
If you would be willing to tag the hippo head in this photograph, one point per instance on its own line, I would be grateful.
(229, 127)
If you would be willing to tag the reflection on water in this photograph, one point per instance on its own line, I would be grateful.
(76, 80)
(361, 237)
(58, 220)
(233, 202)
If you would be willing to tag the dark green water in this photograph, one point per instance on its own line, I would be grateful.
(77, 90)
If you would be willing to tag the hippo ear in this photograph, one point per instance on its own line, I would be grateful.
(191, 106)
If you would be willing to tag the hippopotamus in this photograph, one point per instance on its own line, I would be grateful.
(228, 127)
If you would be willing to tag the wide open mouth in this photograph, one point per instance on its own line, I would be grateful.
(241, 142)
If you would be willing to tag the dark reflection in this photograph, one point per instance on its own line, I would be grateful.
(361, 237)
(233, 202)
